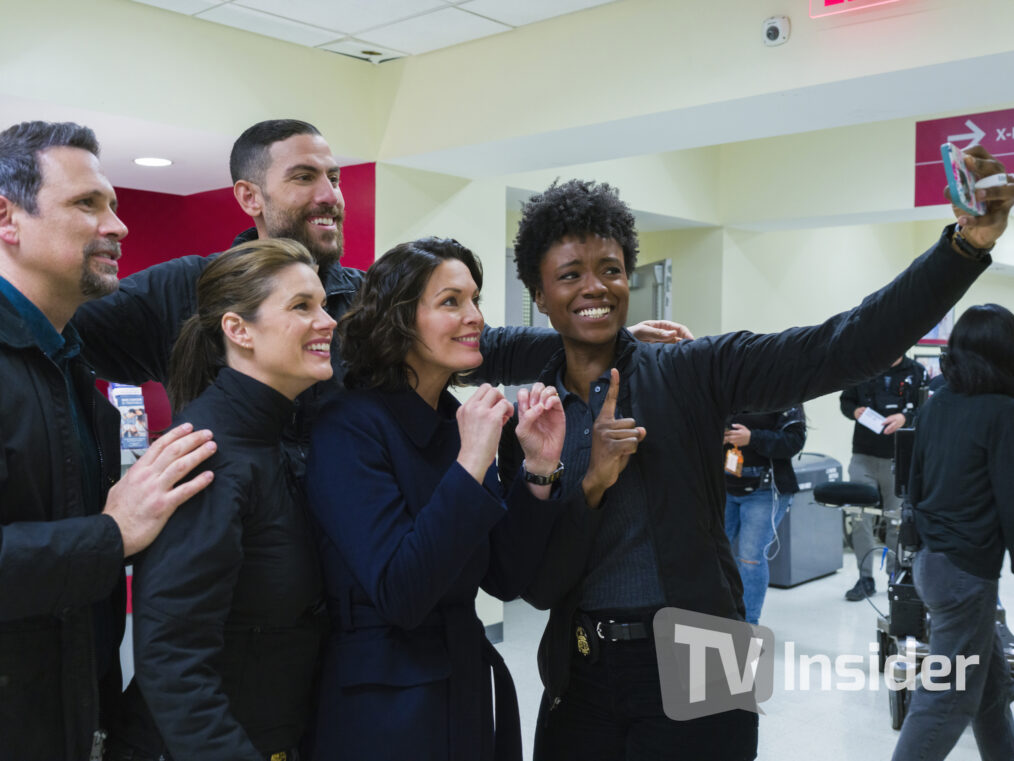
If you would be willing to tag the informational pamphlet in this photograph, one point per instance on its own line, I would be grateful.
(872, 420)
(133, 418)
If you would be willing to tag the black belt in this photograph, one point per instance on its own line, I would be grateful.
(614, 631)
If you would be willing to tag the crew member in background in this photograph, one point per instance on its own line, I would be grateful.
(894, 394)
(759, 484)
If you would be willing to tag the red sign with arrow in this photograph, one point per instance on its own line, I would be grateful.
(993, 130)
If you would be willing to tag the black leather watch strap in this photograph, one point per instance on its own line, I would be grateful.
(960, 243)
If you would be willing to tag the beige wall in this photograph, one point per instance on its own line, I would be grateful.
(641, 57)
(121, 57)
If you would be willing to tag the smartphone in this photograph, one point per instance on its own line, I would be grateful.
(960, 181)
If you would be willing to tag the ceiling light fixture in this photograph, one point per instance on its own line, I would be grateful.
(152, 161)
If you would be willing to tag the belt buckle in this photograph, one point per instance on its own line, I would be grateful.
(598, 630)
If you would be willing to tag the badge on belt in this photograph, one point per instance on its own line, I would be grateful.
(582, 642)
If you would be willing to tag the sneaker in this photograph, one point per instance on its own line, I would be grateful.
(864, 588)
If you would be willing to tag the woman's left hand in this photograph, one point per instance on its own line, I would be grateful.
(541, 428)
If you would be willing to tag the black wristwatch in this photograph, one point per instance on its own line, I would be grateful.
(966, 249)
(541, 480)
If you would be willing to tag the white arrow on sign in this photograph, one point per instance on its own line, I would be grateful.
(975, 135)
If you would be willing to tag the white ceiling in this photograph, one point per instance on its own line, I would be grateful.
(371, 30)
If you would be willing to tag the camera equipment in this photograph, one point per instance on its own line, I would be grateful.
(776, 30)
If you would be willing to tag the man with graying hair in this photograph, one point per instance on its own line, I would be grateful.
(65, 528)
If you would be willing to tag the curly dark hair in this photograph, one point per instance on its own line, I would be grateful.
(379, 329)
(980, 352)
(576, 208)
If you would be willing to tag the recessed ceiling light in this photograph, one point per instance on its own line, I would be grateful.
(152, 161)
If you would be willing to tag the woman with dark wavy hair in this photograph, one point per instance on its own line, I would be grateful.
(228, 600)
(414, 520)
(962, 487)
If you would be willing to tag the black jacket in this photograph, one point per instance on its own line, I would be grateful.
(683, 394)
(228, 600)
(129, 336)
(962, 479)
(58, 567)
(894, 390)
(774, 438)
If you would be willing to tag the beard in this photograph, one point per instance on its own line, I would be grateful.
(327, 251)
(99, 280)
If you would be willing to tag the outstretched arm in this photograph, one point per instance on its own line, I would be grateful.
(516, 355)
(129, 335)
(749, 371)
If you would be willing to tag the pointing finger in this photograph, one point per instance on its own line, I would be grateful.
(608, 411)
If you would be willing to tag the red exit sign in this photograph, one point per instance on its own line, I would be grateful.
(820, 8)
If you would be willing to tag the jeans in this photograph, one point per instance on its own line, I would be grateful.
(962, 622)
(612, 711)
(878, 472)
(751, 522)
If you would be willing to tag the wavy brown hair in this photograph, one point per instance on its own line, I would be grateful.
(238, 280)
(379, 329)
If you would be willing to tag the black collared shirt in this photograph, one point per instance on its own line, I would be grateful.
(622, 568)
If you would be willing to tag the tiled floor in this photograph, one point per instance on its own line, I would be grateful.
(797, 726)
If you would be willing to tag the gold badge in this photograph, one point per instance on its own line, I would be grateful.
(582, 642)
(282, 756)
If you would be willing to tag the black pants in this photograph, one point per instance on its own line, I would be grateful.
(612, 711)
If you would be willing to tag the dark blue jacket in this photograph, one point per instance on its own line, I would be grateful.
(409, 537)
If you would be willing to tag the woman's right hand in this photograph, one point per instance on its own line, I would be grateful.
(480, 420)
(613, 441)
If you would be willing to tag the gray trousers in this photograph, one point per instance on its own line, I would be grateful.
(962, 611)
(878, 472)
